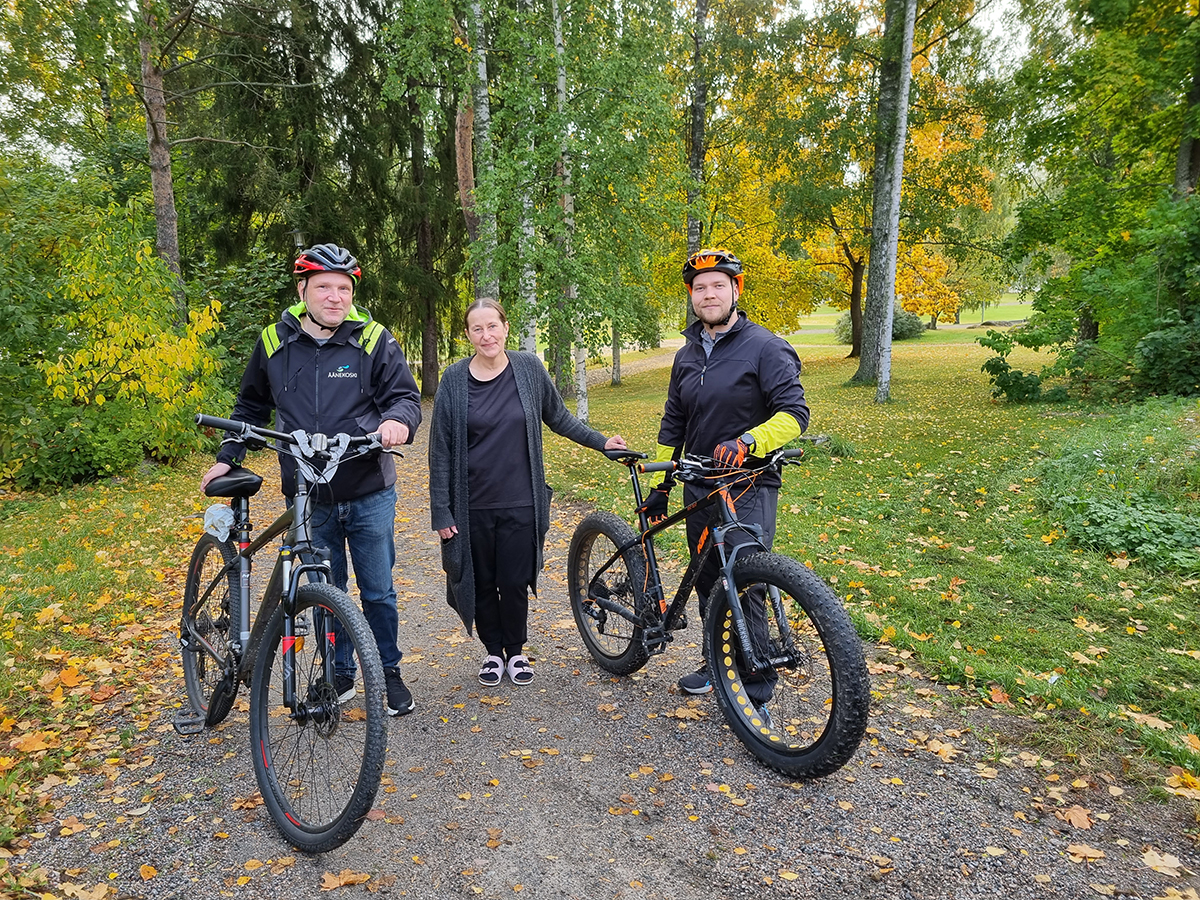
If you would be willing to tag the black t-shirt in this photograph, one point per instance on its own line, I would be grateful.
(498, 474)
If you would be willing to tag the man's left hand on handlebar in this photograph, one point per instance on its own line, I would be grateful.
(731, 453)
(392, 433)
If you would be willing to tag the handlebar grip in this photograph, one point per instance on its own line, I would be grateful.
(794, 453)
(224, 424)
(668, 466)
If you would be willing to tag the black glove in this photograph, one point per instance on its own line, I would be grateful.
(731, 453)
(655, 504)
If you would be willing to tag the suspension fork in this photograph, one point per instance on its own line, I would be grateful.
(725, 520)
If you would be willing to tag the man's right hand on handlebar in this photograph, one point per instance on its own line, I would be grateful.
(655, 504)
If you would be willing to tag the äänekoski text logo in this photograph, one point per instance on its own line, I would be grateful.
(343, 372)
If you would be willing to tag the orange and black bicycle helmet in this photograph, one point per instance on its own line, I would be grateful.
(327, 258)
(713, 260)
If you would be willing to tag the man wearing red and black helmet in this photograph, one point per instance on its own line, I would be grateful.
(326, 366)
(734, 393)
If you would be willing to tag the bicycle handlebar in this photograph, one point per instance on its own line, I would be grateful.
(245, 430)
(704, 464)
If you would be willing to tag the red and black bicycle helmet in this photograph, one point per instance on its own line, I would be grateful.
(715, 261)
(327, 258)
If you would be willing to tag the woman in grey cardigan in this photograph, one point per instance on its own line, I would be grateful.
(486, 473)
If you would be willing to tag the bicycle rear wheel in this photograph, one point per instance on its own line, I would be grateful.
(319, 762)
(816, 695)
(614, 642)
(212, 618)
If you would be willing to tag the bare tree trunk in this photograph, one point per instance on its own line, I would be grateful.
(616, 355)
(487, 284)
(1187, 161)
(570, 293)
(858, 268)
(697, 149)
(464, 157)
(526, 235)
(895, 76)
(428, 302)
(162, 185)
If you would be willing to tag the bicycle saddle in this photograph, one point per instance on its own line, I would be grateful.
(238, 483)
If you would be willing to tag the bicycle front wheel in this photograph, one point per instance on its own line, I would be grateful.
(212, 618)
(805, 713)
(605, 603)
(318, 759)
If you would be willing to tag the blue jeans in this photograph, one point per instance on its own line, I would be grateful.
(367, 524)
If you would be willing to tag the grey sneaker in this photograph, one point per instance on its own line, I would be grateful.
(696, 682)
(399, 697)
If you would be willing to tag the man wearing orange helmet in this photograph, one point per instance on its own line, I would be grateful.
(734, 394)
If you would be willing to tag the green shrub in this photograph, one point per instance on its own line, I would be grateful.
(1129, 484)
(1160, 538)
(1167, 360)
(1009, 383)
(109, 365)
(905, 326)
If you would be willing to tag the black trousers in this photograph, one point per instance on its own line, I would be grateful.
(757, 506)
(504, 556)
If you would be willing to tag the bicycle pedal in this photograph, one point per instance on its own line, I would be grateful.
(188, 723)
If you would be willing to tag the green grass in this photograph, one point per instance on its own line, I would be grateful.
(87, 586)
(938, 536)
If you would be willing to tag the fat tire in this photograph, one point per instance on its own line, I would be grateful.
(216, 619)
(614, 643)
(318, 778)
(819, 710)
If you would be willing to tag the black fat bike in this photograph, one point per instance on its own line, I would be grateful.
(771, 626)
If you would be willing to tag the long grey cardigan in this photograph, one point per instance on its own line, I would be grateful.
(448, 500)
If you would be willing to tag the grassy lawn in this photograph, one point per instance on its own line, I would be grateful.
(935, 532)
(933, 523)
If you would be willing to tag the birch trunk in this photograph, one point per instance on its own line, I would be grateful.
(525, 233)
(428, 302)
(616, 355)
(697, 150)
(162, 185)
(895, 76)
(570, 293)
(487, 284)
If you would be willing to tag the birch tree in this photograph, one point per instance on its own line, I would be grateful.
(895, 77)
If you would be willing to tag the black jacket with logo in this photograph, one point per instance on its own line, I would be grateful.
(348, 384)
(751, 375)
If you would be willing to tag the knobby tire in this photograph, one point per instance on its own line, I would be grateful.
(318, 767)
(211, 618)
(614, 642)
(817, 708)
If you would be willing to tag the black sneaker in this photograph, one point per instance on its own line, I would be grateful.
(344, 684)
(399, 697)
(696, 682)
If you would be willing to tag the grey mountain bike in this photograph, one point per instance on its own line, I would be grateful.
(785, 662)
(318, 752)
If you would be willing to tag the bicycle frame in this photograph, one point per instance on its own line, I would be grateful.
(657, 627)
(290, 565)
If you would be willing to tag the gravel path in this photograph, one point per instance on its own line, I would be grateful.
(585, 786)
